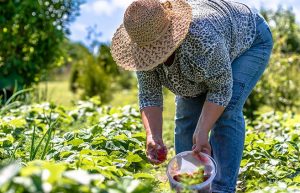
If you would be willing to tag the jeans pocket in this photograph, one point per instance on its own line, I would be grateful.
(237, 91)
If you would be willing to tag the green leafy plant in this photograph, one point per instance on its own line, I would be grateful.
(97, 75)
(31, 34)
(45, 147)
(271, 154)
(102, 145)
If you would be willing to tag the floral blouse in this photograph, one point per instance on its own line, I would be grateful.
(220, 31)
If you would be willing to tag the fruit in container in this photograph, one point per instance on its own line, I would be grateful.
(191, 178)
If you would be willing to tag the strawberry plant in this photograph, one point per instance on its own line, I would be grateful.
(271, 155)
(95, 148)
(87, 148)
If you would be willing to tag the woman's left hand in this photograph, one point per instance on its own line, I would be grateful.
(200, 141)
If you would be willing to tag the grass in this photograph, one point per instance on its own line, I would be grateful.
(58, 92)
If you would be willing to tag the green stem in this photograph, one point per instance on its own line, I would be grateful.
(39, 144)
(47, 142)
(51, 126)
(32, 143)
(16, 94)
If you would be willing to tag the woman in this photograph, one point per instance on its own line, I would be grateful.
(210, 53)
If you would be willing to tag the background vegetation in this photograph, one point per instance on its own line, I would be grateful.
(31, 36)
(72, 120)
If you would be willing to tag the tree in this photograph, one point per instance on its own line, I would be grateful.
(31, 33)
(96, 75)
(123, 79)
(286, 31)
(87, 75)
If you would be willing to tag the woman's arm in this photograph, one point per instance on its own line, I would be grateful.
(210, 114)
(152, 120)
(155, 149)
(151, 104)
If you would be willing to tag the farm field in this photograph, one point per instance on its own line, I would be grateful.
(69, 115)
(89, 147)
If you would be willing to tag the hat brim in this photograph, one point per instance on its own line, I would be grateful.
(133, 57)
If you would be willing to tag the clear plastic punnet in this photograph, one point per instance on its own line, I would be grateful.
(188, 162)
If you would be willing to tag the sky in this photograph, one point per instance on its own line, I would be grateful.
(106, 15)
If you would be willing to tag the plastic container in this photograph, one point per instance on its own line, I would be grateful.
(187, 162)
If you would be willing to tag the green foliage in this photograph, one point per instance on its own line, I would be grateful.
(286, 31)
(97, 75)
(91, 148)
(122, 78)
(278, 88)
(271, 156)
(30, 34)
(87, 75)
(94, 81)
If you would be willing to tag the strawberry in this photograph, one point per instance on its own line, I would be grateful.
(161, 154)
(177, 177)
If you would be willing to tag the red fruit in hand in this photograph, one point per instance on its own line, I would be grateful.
(177, 177)
(161, 154)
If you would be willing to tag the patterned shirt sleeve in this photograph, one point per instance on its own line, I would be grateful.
(212, 62)
(150, 89)
(219, 75)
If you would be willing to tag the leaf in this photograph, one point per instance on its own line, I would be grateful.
(76, 142)
(134, 184)
(297, 179)
(133, 158)
(65, 154)
(274, 162)
(111, 146)
(93, 152)
(83, 177)
(55, 171)
(8, 172)
(69, 136)
(143, 175)
(98, 140)
(121, 137)
(20, 122)
(244, 162)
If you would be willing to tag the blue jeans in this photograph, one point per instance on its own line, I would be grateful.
(228, 135)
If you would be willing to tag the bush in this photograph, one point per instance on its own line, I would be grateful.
(94, 148)
(97, 75)
(31, 34)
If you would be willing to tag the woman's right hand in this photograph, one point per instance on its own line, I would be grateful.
(156, 151)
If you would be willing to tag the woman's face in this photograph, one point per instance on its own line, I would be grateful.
(170, 60)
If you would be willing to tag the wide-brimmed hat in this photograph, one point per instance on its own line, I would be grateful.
(150, 33)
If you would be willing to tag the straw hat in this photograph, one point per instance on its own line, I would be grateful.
(150, 33)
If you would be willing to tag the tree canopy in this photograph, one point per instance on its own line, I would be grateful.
(31, 33)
